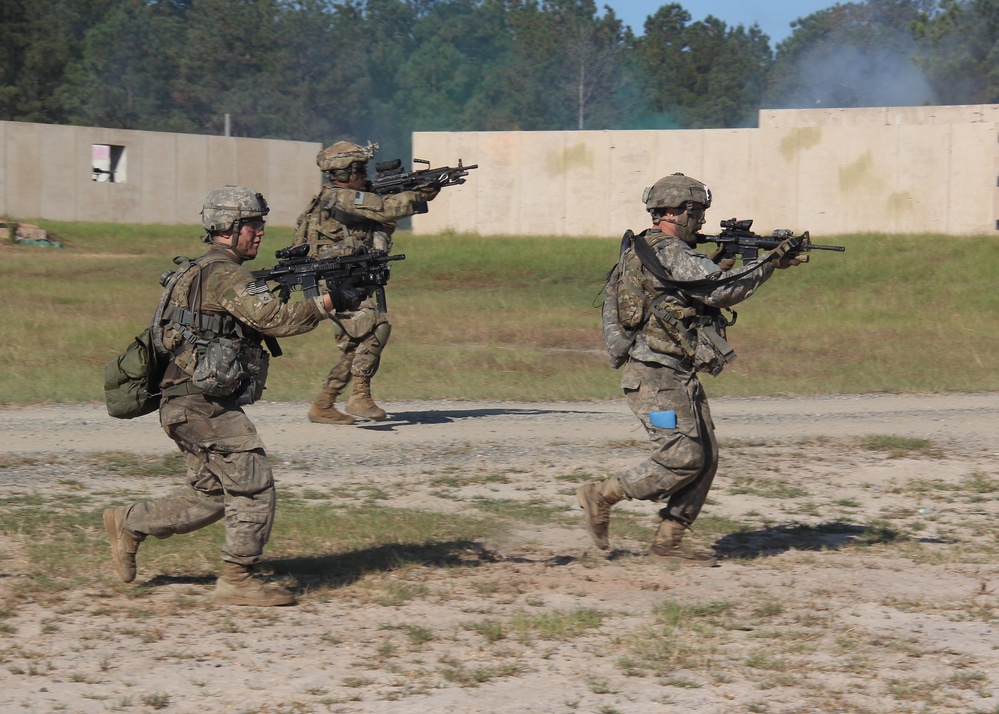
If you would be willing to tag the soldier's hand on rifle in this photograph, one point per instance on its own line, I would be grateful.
(785, 255)
(428, 193)
(722, 262)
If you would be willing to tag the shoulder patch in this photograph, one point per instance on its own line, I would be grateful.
(359, 198)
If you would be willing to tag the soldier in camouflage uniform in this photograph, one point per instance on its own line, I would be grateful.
(346, 218)
(660, 375)
(214, 300)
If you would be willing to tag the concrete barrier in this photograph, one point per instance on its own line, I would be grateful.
(48, 171)
(830, 171)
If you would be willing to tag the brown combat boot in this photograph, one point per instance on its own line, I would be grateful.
(666, 547)
(124, 544)
(360, 403)
(238, 586)
(596, 499)
(322, 410)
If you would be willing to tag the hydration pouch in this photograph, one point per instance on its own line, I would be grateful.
(712, 352)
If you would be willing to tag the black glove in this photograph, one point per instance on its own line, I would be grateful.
(346, 299)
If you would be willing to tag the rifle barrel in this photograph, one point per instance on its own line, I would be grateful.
(837, 248)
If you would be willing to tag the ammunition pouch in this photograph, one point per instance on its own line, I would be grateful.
(218, 371)
(221, 361)
(712, 352)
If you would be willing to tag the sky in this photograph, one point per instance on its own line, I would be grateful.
(773, 16)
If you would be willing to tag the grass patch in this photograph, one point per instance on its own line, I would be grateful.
(897, 447)
(515, 318)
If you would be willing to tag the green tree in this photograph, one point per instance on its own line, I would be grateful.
(321, 72)
(854, 54)
(443, 84)
(571, 69)
(704, 74)
(230, 48)
(40, 40)
(959, 49)
(129, 61)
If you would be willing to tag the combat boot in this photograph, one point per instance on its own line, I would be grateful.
(596, 499)
(124, 544)
(238, 586)
(666, 547)
(360, 403)
(322, 410)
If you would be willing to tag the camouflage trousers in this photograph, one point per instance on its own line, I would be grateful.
(360, 336)
(228, 475)
(684, 458)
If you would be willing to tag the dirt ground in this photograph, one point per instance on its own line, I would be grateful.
(859, 578)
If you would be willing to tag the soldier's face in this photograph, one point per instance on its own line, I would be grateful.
(248, 240)
(358, 176)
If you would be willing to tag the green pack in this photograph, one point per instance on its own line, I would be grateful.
(132, 379)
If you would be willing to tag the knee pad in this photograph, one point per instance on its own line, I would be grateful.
(381, 336)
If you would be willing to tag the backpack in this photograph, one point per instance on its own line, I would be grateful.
(132, 379)
(617, 339)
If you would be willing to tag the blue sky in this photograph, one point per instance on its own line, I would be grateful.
(773, 16)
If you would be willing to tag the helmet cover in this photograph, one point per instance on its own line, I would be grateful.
(225, 206)
(676, 190)
(344, 153)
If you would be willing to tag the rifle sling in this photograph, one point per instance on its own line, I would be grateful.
(647, 255)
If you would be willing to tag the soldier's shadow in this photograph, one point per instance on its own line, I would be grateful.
(449, 416)
(338, 570)
(768, 542)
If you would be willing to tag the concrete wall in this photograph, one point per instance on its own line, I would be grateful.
(892, 170)
(830, 171)
(45, 172)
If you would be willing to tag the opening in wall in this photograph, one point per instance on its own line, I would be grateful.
(107, 163)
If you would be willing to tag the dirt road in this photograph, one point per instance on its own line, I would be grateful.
(86, 428)
(851, 579)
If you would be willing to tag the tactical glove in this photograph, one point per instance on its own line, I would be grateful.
(723, 263)
(784, 255)
(428, 193)
(346, 299)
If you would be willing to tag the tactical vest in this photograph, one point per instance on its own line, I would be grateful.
(330, 231)
(671, 321)
(211, 353)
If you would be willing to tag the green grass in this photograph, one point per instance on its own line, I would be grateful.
(515, 318)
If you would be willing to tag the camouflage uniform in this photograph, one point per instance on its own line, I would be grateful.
(228, 473)
(663, 323)
(342, 221)
(659, 375)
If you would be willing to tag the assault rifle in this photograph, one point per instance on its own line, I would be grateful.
(391, 177)
(348, 278)
(738, 240)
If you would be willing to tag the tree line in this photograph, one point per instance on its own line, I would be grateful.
(321, 70)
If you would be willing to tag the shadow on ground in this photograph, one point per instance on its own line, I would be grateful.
(434, 416)
(824, 536)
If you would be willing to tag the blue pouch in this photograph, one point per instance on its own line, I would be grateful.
(663, 420)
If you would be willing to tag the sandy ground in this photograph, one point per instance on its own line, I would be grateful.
(800, 617)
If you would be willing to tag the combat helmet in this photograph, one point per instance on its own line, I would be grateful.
(676, 190)
(224, 207)
(344, 153)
